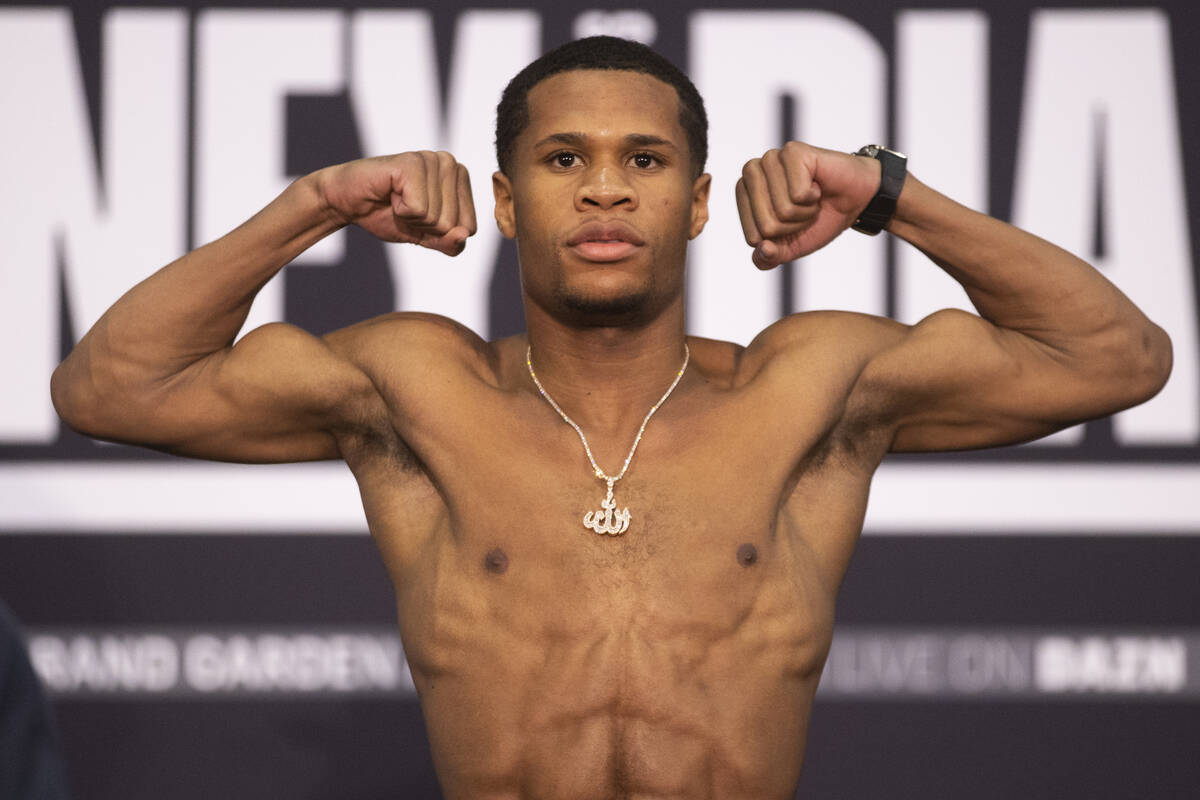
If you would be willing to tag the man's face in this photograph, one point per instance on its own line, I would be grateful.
(601, 197)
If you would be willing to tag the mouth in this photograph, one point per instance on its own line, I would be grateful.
(607, 241)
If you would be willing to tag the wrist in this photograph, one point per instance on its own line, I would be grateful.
(920, 213)
(298, 218)
(315, 187)
(892, 170)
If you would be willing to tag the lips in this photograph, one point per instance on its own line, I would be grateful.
(605, 241)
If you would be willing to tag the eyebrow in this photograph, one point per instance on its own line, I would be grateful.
(632, 139)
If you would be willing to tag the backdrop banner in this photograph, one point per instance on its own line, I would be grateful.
(1022, 622)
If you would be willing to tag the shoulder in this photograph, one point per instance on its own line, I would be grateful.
(801, 379)
(822, 362)
(415, 329)
(408, 343)
(822, 341)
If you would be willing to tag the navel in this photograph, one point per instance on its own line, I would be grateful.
(496, 561)
(747, 554)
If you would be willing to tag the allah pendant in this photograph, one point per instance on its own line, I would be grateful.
(610, 521)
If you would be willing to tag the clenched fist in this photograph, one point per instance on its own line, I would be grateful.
(422, 197)
(795, 200)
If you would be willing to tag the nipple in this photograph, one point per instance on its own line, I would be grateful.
(747, 554)
(495, 562)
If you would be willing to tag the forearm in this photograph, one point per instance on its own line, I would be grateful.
(194, 306)
(1025, 284)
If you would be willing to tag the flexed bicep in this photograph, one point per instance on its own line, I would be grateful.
(278, 395)
(956, 381)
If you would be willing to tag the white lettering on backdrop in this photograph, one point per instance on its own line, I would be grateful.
(1100, 96)
(744, 63)
(941, 118)
(246, 64)
(394, 114)
(111, 220)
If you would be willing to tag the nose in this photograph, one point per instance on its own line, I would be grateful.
(604, 187)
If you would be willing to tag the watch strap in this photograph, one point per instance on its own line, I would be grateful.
(894, 168)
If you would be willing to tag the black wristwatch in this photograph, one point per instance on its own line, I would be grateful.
(879, 211)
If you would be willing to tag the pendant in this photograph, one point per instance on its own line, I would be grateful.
(612, 522)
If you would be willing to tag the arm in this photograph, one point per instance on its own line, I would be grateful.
(1055, 342)
(160, 368)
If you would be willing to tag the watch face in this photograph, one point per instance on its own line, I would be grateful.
(873, 151)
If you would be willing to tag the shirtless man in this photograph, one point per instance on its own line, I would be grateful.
(678, 658)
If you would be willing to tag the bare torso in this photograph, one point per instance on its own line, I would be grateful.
(677, 660)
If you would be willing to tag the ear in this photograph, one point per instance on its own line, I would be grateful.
(505, 218)
(700, 191)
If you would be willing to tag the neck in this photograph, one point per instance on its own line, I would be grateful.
(607, 378)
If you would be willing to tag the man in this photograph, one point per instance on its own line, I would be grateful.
(615, 548)
(31, 761)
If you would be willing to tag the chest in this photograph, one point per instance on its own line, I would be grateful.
(509, 499)
(696, 512)
(503, 551)
(688, 483)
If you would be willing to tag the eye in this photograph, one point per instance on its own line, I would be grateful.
(563, 159)
(644, 160)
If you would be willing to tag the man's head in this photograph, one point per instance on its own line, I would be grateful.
(599, 53)
(600, 182)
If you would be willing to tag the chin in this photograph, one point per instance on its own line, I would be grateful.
(611, 291)
(606, 308)
(607, 305)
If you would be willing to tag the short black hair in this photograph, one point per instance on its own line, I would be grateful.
(599, 52)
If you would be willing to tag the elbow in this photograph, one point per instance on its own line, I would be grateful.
(73, 399)
(1139, 365)
(1154, 357)
(80, 400)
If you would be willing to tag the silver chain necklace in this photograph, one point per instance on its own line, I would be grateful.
(608, 520)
